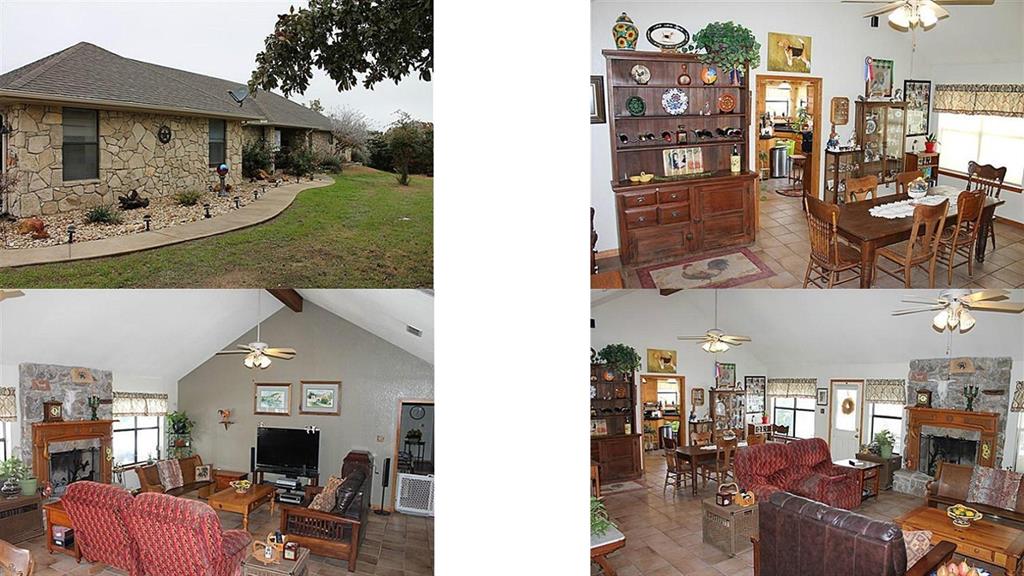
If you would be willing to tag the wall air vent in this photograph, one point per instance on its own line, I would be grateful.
(414, 331)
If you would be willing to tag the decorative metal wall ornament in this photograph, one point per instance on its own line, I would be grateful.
(1018, 397)
(961, 366)
(164, 134)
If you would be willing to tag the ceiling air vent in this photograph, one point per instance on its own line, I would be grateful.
(414, 331)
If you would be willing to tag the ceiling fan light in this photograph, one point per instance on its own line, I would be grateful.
(941, 319)
(928, 17)
(248, 361)
(263, 362)
(966, 321)
(706, 346)
(900, 17)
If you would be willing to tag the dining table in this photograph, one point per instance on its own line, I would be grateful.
(869, 233)
(695, 456)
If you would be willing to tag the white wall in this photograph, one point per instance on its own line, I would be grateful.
(976, 44)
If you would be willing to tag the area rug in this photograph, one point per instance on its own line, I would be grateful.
(621, 487)
(790, 192)
(722, 270)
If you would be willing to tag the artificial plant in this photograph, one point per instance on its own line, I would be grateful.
(620, 358)
(885, 442)
(729, 45)
(600, 523)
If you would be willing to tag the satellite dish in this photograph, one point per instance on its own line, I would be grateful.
(239, 94)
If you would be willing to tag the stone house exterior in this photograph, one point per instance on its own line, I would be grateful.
(84, 125)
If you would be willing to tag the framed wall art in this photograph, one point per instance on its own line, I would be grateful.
(918, 96)
(725, 375)
(661, 361)
(756, 387)
(273, 399)
(697, 397)
(877, 78)
(597, 110)
(822, 396)
(789, 53)
(320, 397)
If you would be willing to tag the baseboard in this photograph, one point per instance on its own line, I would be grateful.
(1010, 223)
(613, 253)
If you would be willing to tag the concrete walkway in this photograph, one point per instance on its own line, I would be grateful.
(267, 207)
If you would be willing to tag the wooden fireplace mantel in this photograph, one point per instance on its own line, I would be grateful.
(985, 423)
(45, 433)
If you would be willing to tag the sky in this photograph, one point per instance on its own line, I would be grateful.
(214, 38)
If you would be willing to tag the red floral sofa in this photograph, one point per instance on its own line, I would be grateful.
(802, 467)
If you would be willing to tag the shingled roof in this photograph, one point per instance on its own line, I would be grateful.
(87, 74)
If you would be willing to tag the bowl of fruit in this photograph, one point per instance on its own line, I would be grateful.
(240, 486)
(961, 569)
(962, 515)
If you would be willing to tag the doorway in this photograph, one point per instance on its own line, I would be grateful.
(663, 398)
(792, 107)
(414, 441)
(845, 422)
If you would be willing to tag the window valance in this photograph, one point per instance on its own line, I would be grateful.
(885, 391)
(139, 404)
(8, 407)
(792, 387)
(980, 99)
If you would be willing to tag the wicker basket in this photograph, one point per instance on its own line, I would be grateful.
(297, 567)
(728, 528)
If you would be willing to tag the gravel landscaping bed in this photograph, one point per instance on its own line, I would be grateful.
(164, 213)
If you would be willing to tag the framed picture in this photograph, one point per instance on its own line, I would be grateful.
(878, 80)
(203, 473)
(756, 387)
(320, 397)
(918, 96)
(725, 376)
(682, 161)
(822, 396)
(273, 399)
(697, 397)
(789, 53)
(597, 111)
(599, 427)
(661, 361)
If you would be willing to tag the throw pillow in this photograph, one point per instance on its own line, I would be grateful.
(994, 487)
(325, 500)
(203, 473)
(918, 543)
(170, 473)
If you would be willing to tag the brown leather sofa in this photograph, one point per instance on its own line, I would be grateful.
(951, 484)
(149, 478)
(801, 536)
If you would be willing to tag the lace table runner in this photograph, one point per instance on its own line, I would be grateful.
(905, 208)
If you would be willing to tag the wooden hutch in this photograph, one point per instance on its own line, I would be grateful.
(729, 412)
(677, 215)
(881, 138)
(615, 438)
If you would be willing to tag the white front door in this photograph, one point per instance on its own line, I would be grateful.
(845, 421)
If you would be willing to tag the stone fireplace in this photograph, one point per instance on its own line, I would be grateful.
(64, 452)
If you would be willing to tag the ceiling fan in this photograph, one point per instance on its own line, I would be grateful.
(909, 14)
(715, 340)
(258, 353)
(955, 307)
(8, 294)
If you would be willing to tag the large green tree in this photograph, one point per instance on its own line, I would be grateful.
(377, 39)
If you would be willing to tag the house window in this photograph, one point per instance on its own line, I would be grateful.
(218, 142)
(887, 417)
(797, 413)
(81, 144)
(136, 439)
(991, 140)
(277, 140)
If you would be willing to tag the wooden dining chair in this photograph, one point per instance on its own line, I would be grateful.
(963, 236)
(15, 561)
(903, 179)
(923, 246)
(724, 460)
(829, 257)
(858, 189)
(988, 179)
(674, 472)
(700, 439)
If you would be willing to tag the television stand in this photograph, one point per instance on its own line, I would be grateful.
(288, 494)
(257, 475)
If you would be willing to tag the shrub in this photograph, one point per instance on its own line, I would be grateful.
(103, 215)
(190, 198)
(301, 160)
(379, 152)
(329, 163)
(406, 148)
(256, 156)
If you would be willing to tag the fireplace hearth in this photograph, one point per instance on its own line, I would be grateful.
(72, 466)
(946, 448)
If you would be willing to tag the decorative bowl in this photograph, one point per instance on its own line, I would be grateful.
(240, 486)
(962, 516)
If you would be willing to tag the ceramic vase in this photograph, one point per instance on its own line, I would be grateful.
(735, 77)
(625, 33)
(29, 486)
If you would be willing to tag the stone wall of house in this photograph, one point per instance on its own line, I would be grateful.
(130, 158)
(322, 143)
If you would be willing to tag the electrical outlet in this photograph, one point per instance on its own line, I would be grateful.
(380, 437)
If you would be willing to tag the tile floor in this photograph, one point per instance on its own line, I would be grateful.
(783, 245)
(663, 529)
(395, 545)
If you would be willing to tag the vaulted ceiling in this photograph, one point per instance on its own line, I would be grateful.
(167, 333)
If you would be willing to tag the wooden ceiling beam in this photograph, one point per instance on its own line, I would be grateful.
(289, 297)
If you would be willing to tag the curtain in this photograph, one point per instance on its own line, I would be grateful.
(1018, 398)
(980, 99)
(885, 391)
(793, 387)
(8, 410)
(139, 404)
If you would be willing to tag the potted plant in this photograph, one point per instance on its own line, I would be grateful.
(414, 435)
(14, 470)
(929, 143)
(885, 441)
(762, 158)
(180, 423)
(729, 45)
(599, 521)
(619, 358)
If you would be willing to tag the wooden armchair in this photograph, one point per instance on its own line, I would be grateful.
(989, 180)
(15, 561)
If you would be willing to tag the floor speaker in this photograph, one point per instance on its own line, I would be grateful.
(384, 481)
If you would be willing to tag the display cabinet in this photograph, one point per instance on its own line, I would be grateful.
(729, 411)
(615, 439)
(881, 136)
(839, 165)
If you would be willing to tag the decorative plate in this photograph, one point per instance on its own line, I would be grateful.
(636, 106)
(675, 101)
(593, 391)
(726, 103)
(870, 126)
(641, 74)
(668, 36)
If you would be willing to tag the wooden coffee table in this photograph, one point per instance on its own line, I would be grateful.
(984, 540)
(230, 501)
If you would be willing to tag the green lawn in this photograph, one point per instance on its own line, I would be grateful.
(347, 235)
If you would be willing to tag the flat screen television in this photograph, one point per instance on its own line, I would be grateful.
(292, 451)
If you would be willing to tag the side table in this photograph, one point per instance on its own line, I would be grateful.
(728, 528)
(298, 567)
(868, 474)
(889, 466)
(56, 515)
